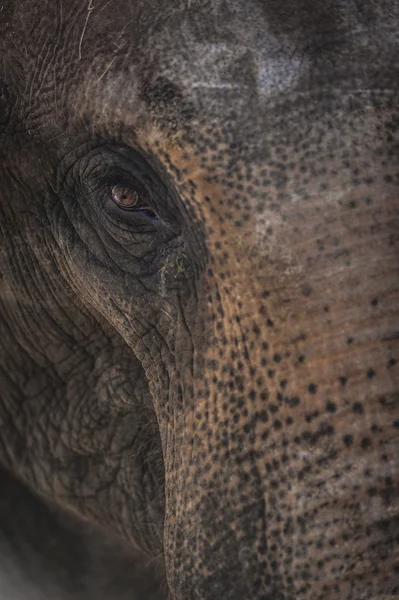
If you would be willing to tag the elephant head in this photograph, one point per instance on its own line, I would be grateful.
(199, 296)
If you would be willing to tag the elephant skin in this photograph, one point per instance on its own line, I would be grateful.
(199, 299)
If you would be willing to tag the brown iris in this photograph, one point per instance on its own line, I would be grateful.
(124, 197)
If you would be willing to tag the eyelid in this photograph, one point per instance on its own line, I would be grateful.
(150, 189)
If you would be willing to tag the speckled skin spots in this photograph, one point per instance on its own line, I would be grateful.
(257, 362)
(290, 445)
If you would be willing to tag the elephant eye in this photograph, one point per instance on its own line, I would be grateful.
(129, 199)
(124, 197)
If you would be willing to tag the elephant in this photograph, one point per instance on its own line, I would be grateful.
(199, 322)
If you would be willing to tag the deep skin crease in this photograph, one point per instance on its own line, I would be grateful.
(199, 397)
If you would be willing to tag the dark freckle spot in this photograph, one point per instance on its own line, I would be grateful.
(343, 380)
(349, 340)
(213, 364)
(392, 362)
(306, 290)
(301, 358)
(312, 387)
(370, 373)
(374, 302)
(277, 358)
(357, 408)
(348, 439)
(365, 443)
(294, 401)
(396, 424)
(256, 330)
(326, 430)
(277, 424)
(326, 309)
(270, 373)
(269, 323)
(331, 407)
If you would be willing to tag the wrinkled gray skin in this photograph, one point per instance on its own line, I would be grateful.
(199, 391)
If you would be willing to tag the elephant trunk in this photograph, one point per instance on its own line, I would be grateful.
(284, 516)
(282, 468)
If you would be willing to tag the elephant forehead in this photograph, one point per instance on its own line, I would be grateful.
(178, 61)
(135, 63)
(240, 62)
(217, 56)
